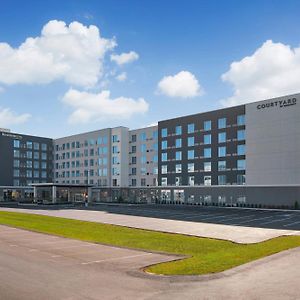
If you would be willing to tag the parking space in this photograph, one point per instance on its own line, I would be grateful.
(275, 219)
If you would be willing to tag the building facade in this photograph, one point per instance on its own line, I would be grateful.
(24, 160)
(235, 155)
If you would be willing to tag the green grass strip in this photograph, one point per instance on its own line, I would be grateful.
(205, 255)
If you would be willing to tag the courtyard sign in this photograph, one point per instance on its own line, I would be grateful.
(279, 103)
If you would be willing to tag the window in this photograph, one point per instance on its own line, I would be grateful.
(143, 148)
(222, 137)
(143, 159)
(164, 132)
(222, 123)
(133, 149)
(133, 171)
(29, 173)
(241, 120)
(207, 152)
(44, 156)
(143, 181)
(207, 125)
(191, 154)
(207, 139)
(191, 141)
(115, 160)
(207, 180)
(191, 167)
(115, 171)
(16, 173)
(16, 143)
(164, 169)
(16, 153)
(114, 138)
(191, 128)
(241, 164)
(133, 138)
(133, 182)
(133, 160)
(143, 171)
(164, 145)
(115, 149)
(178, 130)
(221, 165)
(178, 168)
(222, 151)
(241, 150)
(36, 155)
(155, 134)
(241, 135)
(155, 146)
(207, 166)
(29, 145)
(92, 152)
(164, 181)
(36, 146)
(143, 136)
(16, 163)
(178, 181)
(164, 156)
(241, 179)
(221, 179)
(178, 155)
(178, 143)
(191, 180)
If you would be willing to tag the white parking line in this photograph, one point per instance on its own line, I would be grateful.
(214, 217)
(249, 221)
(276, 220)
(115, 258)
(291, 224)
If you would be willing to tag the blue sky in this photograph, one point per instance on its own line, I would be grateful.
(196, 40)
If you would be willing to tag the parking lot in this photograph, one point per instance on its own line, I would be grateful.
(275, 219)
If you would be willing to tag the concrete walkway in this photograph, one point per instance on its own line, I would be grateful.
(237, 234)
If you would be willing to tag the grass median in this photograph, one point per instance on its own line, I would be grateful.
(204, 255)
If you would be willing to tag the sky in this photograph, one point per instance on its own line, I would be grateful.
(70, 66)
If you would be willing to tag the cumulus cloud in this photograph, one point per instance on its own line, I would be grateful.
(8, 117)
(73, 53)
(182, 85)
(122, 76)
(124, 58)
(272, 70)
(93, 107)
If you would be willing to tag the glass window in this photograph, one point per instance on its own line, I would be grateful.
(222, 179)
(114, 138)
(178, 181)
(16, 153)
(164, 156)
(133, 149)
(115, 149)
(143, 148)
(191, 167)
(155, 134)
(133, 182)
(16, 163)
(143, 171)
(29, 145)
(207, 125)
(164, 132)
(191, 141)
(241, 135)
(222, 151)
(241, 179)
(241, 120)
(44, 156)
(241, 164)
(207, 139)
(191, 154)
(191, 128)
(16, 173)
(28, 173)
(222, 123)
(178, 143)
(207, 152)
(115, 160)
(164, 169)
(191, 180)
(36, 155)
(207, 166)
(164, 145)
(178, 130)
(241, 150)
(133, 160)
(207, 180)
(221, 165)
(164, 181)
(133, 138)
(178, 168)
(16, 143)
(36, 146)
(178, 155)
(143, 136)
(143, 159)
(222, 137)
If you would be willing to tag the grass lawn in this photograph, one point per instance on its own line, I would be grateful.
(204, 255)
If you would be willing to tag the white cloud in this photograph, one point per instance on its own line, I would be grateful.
(90, 107)
(8, 117)
(1, 89)
(272, 70)
(122, 76)
(71, 53)
(124, 58)
(182, 85)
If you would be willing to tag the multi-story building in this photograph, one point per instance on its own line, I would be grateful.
(143, 157)
(24, 160)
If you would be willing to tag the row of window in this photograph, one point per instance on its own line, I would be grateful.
(143, 182)
(207, 125)
(30, 174)
(222, 138)
(30, 155)
(30, 145)
(86, 173)
(143, 136)
(30, 164)
(143, 171)
(222, 166)
(207, 153)
(222, 180)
